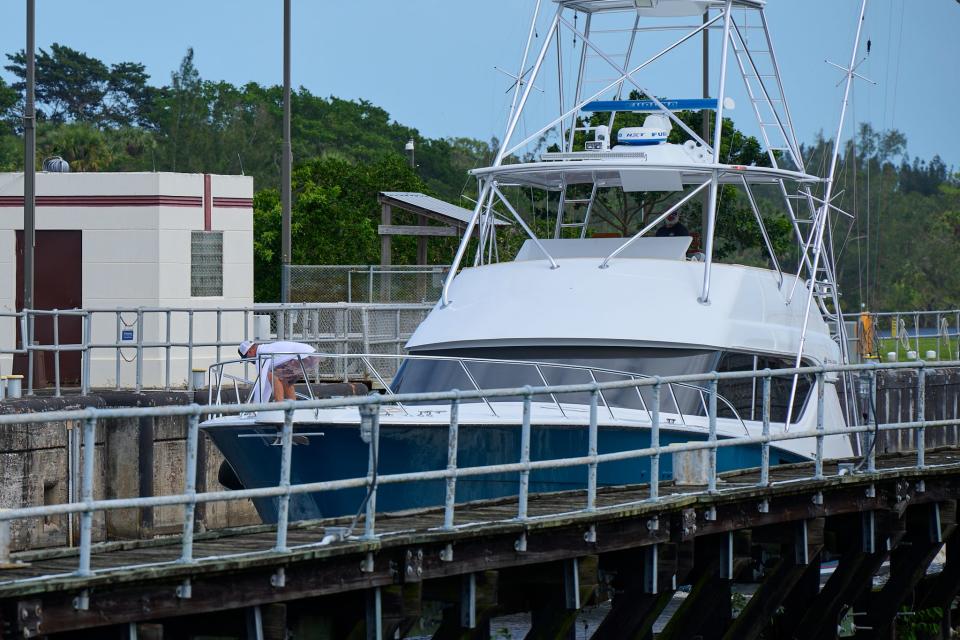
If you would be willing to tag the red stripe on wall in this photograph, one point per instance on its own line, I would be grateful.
(106, 201)
(233, 203)
(207, 204)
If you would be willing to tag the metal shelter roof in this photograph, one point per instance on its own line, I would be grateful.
(421, 203)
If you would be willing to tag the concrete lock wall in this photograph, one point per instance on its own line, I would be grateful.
(133, 457)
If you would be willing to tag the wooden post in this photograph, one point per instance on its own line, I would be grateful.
(854, 572)
(421, 242)
(386, 218)
(474, 599)
(798, 601)
(941, 589)
(706, 612)
(635, 609)
(908, 565)
(422, 260)
(799, 547)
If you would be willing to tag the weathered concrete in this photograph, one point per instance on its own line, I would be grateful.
(133, 457)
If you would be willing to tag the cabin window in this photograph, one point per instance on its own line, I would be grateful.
(206, 264)
(608, 364)
(746, 395)
(738, 397)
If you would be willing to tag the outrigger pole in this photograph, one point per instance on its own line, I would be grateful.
(823, 212)
(521, 93)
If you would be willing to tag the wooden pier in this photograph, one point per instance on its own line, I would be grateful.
(630, 551)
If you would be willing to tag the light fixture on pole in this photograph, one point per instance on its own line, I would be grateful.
(409, 148)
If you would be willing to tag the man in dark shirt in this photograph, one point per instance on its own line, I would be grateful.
(672, 227)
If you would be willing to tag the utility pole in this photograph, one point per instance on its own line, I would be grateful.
(286, 164)
(706, 114)
(29, 164)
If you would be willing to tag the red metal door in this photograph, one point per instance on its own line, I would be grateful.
(58, 284)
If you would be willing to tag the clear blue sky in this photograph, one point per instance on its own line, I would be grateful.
(430, 63)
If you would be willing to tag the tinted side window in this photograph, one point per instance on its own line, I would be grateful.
(746, 395)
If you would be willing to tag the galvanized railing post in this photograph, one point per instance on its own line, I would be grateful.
(939, 333)
(370, 285)
(872, 418)
(87, 354)
(818, 460)
(31, 354)
(139, 348)
(370, 416)
(712, 438)
(190, 350)
(219, 333)
(916, 332)
(398, 340)
(592, 452)
(119, 344)
(166, 349)
(74, 437)
(86, 518)
(365, 324)
(452, 449)
(921, 415)
(655, 442)
(765, 447)
(286, 460)
(190, 485)
(246, 336)
(56, 352)
(4, 542)
(524, 457)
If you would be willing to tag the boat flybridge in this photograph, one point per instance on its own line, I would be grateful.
(579, 303)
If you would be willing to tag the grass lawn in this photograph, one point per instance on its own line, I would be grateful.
(944, 351)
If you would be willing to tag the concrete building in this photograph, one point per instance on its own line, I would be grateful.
(108, 240)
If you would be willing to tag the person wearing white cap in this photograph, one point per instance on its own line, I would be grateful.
(281, 364)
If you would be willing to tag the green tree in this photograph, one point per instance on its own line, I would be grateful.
(181, 116)
(70, 84)
(74, 87)
(334, 217)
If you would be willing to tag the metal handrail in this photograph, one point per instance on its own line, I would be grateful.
(103, 329)
(369, 405)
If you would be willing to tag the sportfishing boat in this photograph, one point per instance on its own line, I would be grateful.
(578, 303)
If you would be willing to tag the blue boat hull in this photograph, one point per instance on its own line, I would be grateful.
(340, 453)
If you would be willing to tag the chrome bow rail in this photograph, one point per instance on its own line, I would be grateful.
(218, 375)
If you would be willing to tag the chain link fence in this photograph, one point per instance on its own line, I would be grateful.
(359, 330)
(370, 284)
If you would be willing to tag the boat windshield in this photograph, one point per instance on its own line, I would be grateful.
(583, 365)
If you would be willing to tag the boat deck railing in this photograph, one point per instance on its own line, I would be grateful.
(370, 408)
(221, 379)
